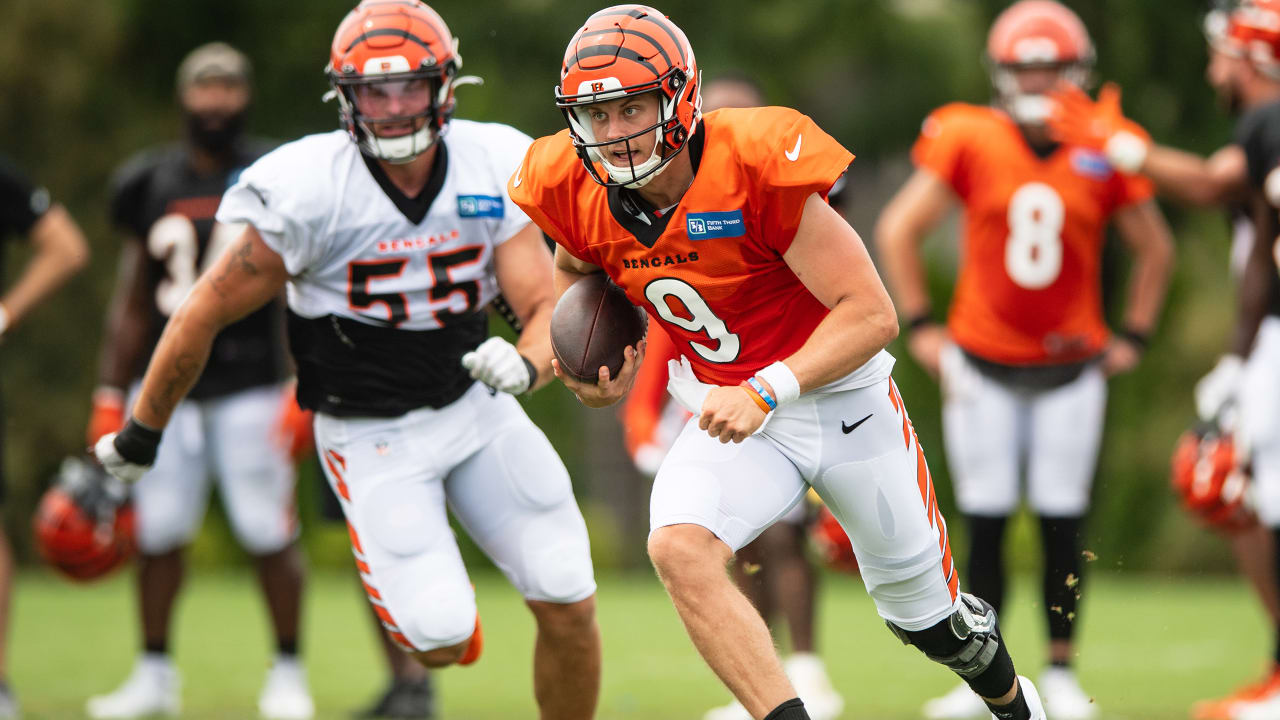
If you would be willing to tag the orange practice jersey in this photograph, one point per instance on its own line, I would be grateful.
(1029, 291)
(710, 270)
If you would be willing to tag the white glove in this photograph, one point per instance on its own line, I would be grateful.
(499, 365)
(691, 392)
(1220, 387)
(105, 451)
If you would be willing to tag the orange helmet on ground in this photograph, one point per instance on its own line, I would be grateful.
(1207, 477)
(1036, 34)
(629, 50)
(84, 526)
(394, 65)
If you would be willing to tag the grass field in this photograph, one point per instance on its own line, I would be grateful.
(1151, 647)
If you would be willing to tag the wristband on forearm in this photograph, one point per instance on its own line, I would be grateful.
(1135, 337)
(533, 372)
(785, 386)
(137, 443)
(919, 320)
(758, 395)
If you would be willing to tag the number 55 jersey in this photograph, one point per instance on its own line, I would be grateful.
(710, 269)
(1029, 290)
(386, 292)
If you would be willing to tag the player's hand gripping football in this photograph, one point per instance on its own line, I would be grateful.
(607, 390)
(1078, 120)
(729, 414)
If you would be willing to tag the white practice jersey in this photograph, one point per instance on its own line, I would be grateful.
(386, 292)
(352, 252)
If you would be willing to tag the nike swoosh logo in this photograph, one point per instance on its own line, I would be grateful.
(794, 153)
(519, 178)
(850, 428)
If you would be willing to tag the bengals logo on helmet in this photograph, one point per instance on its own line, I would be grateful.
(84, 525)
(622, 51)
(1206, 476)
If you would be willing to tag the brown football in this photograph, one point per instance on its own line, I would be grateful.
(591, 326)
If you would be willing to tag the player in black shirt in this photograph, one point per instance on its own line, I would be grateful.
(1244, 70)
(163, 200)
(60, 252)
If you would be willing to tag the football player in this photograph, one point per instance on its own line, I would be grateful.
(163, 201)
(717, 226)
(392, 237)
(1244, 70)
(59, 251)
(1024, 356)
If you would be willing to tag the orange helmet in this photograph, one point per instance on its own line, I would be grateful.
(832, 542)
(1207, 477)
(629, 50)
(1252, 31)
(1036, 34)
(84, 525)
(394, 62)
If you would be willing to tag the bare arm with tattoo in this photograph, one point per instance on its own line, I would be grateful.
(247, 276)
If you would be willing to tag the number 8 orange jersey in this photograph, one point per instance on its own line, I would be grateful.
(710, 270)
(1029, 288)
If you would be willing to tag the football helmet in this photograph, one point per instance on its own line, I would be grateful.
(832, 542)
(1034, 34)
(1207, 477)
(1252, 31)
(630, 50)
(394, 62)
(84, 524)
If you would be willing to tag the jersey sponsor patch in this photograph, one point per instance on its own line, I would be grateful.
(703, 226)
(484, 206)
(1090, 163)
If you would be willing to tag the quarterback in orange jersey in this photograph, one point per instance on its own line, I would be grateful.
(1025, 353)
(720, 229)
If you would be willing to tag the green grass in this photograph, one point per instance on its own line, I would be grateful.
(1151, 646)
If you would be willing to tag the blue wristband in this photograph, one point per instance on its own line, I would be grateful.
(759, 388)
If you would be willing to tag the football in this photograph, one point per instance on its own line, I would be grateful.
(592, 324)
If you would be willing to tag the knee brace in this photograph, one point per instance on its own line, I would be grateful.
(969, 643)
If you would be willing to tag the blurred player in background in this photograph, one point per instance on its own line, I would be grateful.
(163, 201)
(59, 251)
(392, 237)
(1025, 353)
(716, 226)
(1242, 392)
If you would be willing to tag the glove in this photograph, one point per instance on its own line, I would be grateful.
(1219, 388)
(129, 453)
(499, 365)
(107, 415)
(690, 392)
(98, 493)
(294, 432)
(1077, 120)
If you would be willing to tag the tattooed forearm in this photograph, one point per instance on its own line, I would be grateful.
(183, 374)
(236, 261)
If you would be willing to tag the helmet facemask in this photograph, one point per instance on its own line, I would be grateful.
(669, 139)
(1034, 108)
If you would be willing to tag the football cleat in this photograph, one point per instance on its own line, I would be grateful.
(958, 704)
(476, 645)
(8, 703)
(1063, 697)
(403, 700)
(1032, 697)
(285, 695)
(1229, 707)
(152, 689)
(84, 524)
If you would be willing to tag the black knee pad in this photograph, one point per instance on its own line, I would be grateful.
(968, 642)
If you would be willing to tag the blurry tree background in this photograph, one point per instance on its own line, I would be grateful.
(86, 84)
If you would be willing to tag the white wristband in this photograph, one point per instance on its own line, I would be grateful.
(1126, 152)
(785, 386)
